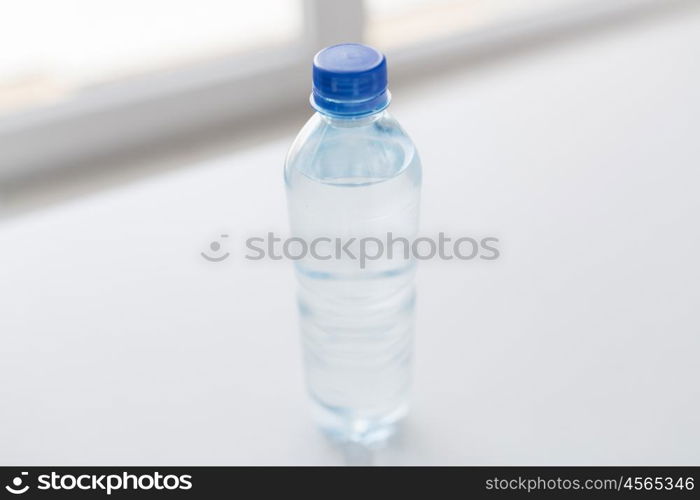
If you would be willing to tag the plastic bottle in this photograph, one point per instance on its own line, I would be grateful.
(353, 178)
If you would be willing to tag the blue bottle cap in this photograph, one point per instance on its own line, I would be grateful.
(349, 80)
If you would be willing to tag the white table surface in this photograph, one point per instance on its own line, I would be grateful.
(121, 345)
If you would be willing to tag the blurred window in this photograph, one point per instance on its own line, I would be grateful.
(53, 49)
(397, 23)
(82, 77)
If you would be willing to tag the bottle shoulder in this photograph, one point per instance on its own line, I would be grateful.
(328, 149)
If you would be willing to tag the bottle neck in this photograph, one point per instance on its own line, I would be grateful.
(349, 109)
(352, 121)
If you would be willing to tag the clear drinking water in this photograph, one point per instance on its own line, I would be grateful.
(353, 175)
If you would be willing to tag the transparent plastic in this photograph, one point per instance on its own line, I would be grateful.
(355, 178)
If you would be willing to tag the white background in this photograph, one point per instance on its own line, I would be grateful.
(121, 345)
